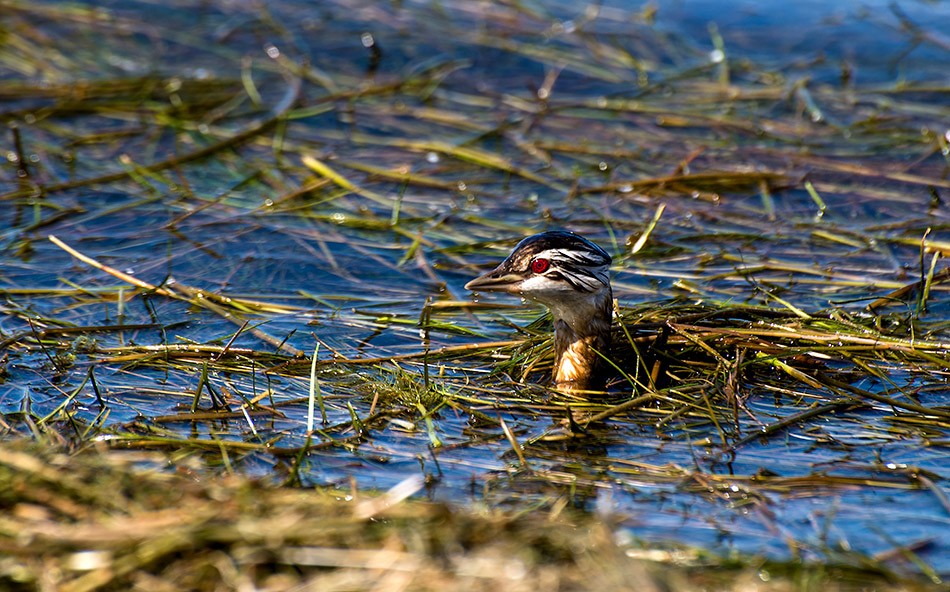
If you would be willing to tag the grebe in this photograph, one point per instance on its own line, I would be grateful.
(568, 274)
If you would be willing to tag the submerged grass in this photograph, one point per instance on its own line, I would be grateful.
(782, 228)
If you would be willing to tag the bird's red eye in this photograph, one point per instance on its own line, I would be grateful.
(540, 265)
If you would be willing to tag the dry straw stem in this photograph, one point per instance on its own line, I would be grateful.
(223, 306)
(98, 520)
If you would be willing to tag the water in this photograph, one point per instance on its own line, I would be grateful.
(236, 224)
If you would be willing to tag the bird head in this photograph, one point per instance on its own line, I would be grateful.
(560, 269)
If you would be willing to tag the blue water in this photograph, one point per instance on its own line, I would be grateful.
(360, 290)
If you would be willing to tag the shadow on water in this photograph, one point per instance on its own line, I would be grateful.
(327, 179)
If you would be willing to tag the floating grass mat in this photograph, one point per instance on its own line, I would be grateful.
(97, 520)
(671, 360)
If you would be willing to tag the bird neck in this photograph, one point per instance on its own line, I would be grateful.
(581, 338)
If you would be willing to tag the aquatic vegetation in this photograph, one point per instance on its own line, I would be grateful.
(195, 204)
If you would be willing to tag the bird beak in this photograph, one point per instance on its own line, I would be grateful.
(496, 280)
